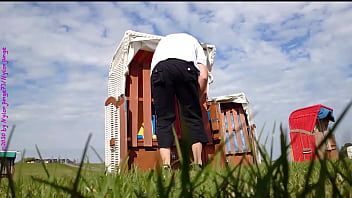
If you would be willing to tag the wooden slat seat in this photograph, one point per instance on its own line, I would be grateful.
(235, 130)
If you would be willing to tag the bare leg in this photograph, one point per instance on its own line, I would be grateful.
(165, 155)
(197, 153)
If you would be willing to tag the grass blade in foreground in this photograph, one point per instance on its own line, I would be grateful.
(42, 162)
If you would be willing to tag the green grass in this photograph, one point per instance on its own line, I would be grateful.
(262, 180)
(272, 178)
(27, 170)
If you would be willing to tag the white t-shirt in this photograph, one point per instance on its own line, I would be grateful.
(181, 46)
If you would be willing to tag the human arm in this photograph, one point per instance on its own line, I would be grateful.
(203, 77)
(201, 60)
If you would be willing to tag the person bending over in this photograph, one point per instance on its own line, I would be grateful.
(179, 69)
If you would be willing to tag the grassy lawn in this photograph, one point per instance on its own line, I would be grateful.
(272, 178)
(24, 170)
(279, 178)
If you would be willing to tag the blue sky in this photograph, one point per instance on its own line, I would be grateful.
(283, 56)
